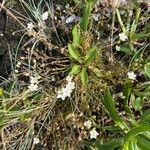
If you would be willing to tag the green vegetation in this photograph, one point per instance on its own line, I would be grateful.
(78, 75)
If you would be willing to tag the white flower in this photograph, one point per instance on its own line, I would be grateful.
(34, 80)
(69, 78)
(96, 17)
(123, 37)
(44, 16)
(33, 87)
(131, 75)
(88, 124)
(70, 85)
(33, 83)
(93, 134)
(36, 140)
(30, 26)
(67, 90)
(117, 48)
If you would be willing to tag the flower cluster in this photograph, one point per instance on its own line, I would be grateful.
(33, 83)
(67, 90)
(93, 132)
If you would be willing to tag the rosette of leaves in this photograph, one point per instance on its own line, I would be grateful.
(81, 63)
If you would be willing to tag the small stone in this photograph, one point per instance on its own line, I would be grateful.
(70, 19)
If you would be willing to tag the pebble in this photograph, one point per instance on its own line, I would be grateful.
(70, 19)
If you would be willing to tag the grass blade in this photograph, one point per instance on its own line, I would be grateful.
(109, 104)
(130, 136)
(87, 13)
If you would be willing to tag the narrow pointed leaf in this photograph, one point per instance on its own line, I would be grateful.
(143, 142)
(76, 36)
(147, 69)
(90, 55)
(86, 16)
(138, 103)
(131, 135)
(145, 117)
(109, 104)
(84, 76)
(73, 52)
(75, 69)
(127, 92)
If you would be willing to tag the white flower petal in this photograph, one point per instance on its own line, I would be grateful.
(44, 16)
(34, 80)
(36, 141)
(131, 75)
(93, 134)
(96, 17)
(123, 37)
(117, 48)
(30, 26)
(69, 78)
(88, 124)
(66, 91)
(70, 85)
(33, 87)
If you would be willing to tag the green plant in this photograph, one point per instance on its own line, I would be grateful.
(131, 30)
(80, 50)
(133, 138)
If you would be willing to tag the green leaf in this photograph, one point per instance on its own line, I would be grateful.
(74, 52)
(143, 142)
(145, 117)
(84, 76)
(111, 145)
(125, 48)
(147, 69)
(90, 55)
(133, 29)
(109, 104)
(135, 22)
(112, 129)
(141, 35)
(120, 21)
(135, 3)
(98, 145)
(130, 136)
(138, 103)
(127, 91)
(86, 15)
(76, 36)
(75, 69)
